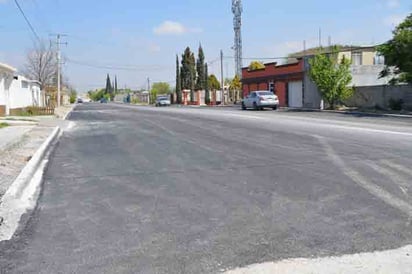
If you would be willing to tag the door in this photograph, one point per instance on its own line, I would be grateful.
(295, 94)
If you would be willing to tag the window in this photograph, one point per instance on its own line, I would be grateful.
(357, 58)
(24, 84)
(253, 95)
(379, 59)
(272, 87)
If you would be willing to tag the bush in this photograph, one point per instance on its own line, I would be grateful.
(395, 104)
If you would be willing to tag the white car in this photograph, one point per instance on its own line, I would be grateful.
(162, 101)
(258, 100)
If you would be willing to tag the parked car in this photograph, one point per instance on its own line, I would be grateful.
(103, 101)
(162, 101)
(258, 100)
(79, 100)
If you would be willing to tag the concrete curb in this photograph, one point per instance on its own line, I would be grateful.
(22, 195)
(349, 112)
(69, 112)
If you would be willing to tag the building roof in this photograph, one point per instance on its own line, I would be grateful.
(7, 67)
(342, 48)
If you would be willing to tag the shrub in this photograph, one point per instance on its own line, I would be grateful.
(395, 104)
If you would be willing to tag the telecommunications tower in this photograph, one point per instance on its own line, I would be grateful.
(237, 10)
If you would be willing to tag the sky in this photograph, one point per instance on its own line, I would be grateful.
(136, 40)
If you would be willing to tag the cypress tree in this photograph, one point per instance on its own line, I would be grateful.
(178, 82)
(207, 92)
(200, 67)
(108, 85)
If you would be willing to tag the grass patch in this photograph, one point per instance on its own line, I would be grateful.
(2, 125)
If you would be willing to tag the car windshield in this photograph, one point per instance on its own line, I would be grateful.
(162, 98)
(265, 93)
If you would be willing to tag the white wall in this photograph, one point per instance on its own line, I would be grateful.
(25, 93)
(20, 97)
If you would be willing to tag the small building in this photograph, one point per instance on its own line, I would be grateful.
(292, 84)
(18, 92)
(6, 79)
(286, 81)
(25, 93)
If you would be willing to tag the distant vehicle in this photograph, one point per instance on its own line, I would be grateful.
(103, 101)
(258, 100)
(162, 101)
(79, 100)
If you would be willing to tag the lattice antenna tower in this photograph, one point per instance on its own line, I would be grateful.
(237, 10)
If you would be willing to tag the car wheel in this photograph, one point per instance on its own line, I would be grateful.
(243, 106)
(255, 107)
(275, 108)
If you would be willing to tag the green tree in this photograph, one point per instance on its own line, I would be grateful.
(332, 76)
(162, 88)
(207, 91)
(72, 96)
(178, 82)
(115, 84)
(256, 65)
(108, 89)
(213, 82)
(398, 53)
(188, 72)
(159, 88)
(235, 86)
(97, 94)
(200, 67)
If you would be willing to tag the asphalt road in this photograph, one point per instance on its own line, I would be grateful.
(149, 190)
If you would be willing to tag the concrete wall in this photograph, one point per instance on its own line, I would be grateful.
(20, 96)
(368, 76)
(372, 96)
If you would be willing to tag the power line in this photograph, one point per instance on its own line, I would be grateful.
(114, 67)
(27, 21)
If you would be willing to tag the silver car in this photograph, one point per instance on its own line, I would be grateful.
(259, 100)
(162, 101)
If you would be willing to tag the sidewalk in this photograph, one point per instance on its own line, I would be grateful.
(20, 140)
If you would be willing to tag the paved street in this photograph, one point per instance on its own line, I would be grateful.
(184, 190)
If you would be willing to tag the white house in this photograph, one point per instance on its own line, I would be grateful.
(18, 92)
(6, 79)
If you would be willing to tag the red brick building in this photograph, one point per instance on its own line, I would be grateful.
(286, 81)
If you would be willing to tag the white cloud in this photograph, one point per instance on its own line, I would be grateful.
(174, 28)
(393, 4)
(394, 20)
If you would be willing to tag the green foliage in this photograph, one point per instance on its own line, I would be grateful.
(200, 67)
(396, 104)
(256, 65)
(97, 94)
(213, 83)
(398, 53)
(2, 125)
(72, 96)
(161, 88)
(188, 72)
(153, 96)
(108, 89)
(207, 91)
(178, 82)
(332, 77)
(235, 84)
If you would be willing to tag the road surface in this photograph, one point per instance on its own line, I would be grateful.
(180, 190)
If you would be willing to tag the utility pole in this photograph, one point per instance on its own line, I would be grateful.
(221, 78)
(59, 63)
(148, 89)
